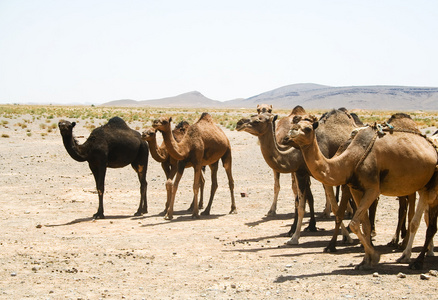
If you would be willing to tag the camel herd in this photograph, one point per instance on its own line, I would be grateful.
(363, 161)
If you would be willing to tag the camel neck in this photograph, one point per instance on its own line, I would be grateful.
(328, 171)
(283, 161)
(158, 153)
(172, 146)
(73, 148)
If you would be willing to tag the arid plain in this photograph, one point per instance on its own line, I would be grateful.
(51, 248)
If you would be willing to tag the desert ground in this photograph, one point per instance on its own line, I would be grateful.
(51, 248)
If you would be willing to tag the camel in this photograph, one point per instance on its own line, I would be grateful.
(113, 145)
(288, 160)
(281, 130)
(389, 161)
(203, 144)
(168, 163)
(264, 108)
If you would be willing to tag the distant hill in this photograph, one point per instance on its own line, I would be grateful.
(312, 96)
(191, 99)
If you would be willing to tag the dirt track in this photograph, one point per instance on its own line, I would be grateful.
(52, 249)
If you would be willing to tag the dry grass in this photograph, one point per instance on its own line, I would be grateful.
(140, 118)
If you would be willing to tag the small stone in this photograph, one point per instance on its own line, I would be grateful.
(233, 286)
(424, 277)
(27, 212)
(13, 274)
(433, 273)
(375, 274)
(39, 226)
(289, 266)
(401, 275)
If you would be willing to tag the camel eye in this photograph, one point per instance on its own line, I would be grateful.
(296, 119)
(307, 130)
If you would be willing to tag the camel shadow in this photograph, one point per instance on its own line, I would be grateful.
(265, 219)
(183, 216)
(91, 219)
(386, 268)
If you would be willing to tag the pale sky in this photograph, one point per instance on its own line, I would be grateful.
(94, 51)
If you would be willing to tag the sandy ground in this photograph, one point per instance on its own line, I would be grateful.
(50, 247)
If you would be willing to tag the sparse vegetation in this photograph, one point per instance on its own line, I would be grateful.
(140, 118)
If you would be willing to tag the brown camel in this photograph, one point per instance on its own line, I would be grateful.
(113, 145)
(168, 163)
(391, 162)
(281, 131)
(203, 144)
(284, 161)
(264, 108)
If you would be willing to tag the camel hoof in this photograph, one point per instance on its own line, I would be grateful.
(292, 241)
(416, 265)
(137, 214)
(373, 233)
(363, 267)
(403, 259)
(195, 216)
(330, 249)
(311, 228)
(168, 217)
(271, 213)
(233, 211)
(98, 216)
(205, 213)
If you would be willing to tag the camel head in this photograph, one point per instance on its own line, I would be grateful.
(162, 123)
(303, 128)
(180, 130)
(256, 124)
(264, 108)
(149, 134)
(66, 127)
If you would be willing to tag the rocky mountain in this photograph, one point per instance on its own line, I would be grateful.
(312, 96)
(190, 99)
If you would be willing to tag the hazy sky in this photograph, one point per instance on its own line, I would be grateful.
(92, 51)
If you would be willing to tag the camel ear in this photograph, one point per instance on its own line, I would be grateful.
(170, 119)
(275, 118)
(73, 124)
(315, 125)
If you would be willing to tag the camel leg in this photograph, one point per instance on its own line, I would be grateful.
(99, 172)
(141, 172)
(310, 201)
(339, 218)
(401, 227)
(169, 171)
(372, 216)
(363, 202)
(180, 172)
(201, 197)
(330, 195)
(213, 167)
(427, 218)
(227, 163)
(301, 181)
(413, 226)
(411, 213)
(273, 209)
(296, 201)
(196, 184)
(430, 233)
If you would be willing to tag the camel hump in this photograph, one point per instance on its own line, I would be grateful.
(403, 121)
(206, 117)
(117, 122)
(298, 110)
